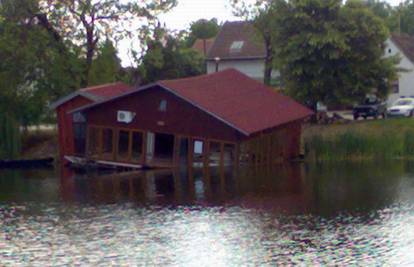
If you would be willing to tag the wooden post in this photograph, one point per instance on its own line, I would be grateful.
(206, 154)
(144, 149)
(190, 151)
(237, 155)
(221, 155)
(87, 152)
(176, 150)
(115, 133)
(100, 141)
(130, 146)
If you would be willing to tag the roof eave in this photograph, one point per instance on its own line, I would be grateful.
(401, 49)
(71, 96)
(102, 101)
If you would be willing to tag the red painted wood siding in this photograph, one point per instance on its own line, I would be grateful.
(180, 117)
(65, 124)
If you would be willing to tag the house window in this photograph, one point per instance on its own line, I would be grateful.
(389, 50)
(79, 117)
(395, 87)
(236, 46)
(163, 105)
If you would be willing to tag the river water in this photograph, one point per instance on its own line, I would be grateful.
(305, 214)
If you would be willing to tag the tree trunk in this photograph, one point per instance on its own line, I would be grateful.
(90, 50)
(268, 61)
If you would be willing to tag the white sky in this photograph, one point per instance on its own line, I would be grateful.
(188, 11)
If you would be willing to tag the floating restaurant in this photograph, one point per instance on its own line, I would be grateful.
(224, 118)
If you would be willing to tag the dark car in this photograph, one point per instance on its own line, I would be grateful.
(372, 107)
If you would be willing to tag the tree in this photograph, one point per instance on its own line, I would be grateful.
(168, 58)
(202, 29)
(404, 16)
(87, 21)
(260, 14)
(106, 67)
(331, 52)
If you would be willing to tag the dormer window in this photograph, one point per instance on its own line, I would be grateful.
(236, 46)
(389, 50)
(163, 105)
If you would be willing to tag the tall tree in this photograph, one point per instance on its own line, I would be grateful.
(88, 21)
(331, 52)
(260, 14)
(202, 29)
(167, 57)
(106, 66)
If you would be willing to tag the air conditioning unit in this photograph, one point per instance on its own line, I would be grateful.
(125, 116)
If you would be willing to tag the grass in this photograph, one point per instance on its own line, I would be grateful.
(379, 139)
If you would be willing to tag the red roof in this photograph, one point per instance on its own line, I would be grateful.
(95, 93)
(242, 102)
(107, 90)
(232, 97)
(242, 32)
(404, 42)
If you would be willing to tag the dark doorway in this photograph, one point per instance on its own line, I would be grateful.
(79, 135)
(164, 146)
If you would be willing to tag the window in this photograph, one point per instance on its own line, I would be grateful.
(395, 87)
(236, 46)
(79, 117)
(198, 147)
(389, 50)
(163, 105)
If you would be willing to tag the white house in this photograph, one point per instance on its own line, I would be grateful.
(403, 45)
(238, 46)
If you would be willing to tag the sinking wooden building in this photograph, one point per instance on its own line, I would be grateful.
(216, 119)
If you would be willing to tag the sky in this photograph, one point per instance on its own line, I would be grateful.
(188, 11)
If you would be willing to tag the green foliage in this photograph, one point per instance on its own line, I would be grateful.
(390, 139)
(202, 29)
(88, 22)
(168, 58)
(10, 137)
(33, 69)
(331, 52)
(106, 67)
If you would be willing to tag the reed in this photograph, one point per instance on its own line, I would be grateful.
(385, 139)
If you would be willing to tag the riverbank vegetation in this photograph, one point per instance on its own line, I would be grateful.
(368, 140)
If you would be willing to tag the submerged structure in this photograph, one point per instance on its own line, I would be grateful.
(216, 119)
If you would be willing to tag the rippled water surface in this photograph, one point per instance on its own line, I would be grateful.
(335, 214)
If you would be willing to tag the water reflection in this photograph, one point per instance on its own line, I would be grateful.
(298, 188)
(331, 214)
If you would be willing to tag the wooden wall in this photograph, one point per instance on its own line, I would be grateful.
(180, 117)
(275, 146)
(65, 124)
